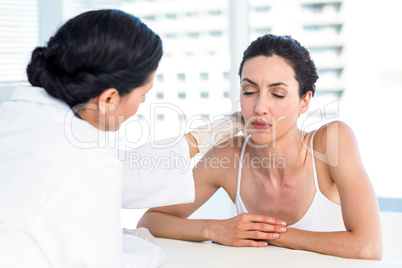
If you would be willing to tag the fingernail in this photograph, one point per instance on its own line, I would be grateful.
(284, 223)
(275, 235)
(282, 229)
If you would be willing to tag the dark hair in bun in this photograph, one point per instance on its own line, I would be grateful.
(95, 51)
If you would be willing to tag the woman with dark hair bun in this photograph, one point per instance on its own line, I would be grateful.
(62, 183)
(81, 64)
(291, 188)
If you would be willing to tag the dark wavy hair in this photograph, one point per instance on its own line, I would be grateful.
(292, 52)
(95, 51)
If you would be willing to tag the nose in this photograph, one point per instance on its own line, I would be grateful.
(261, 106)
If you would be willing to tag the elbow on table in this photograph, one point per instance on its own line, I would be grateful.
(369, 251)
(143, 222)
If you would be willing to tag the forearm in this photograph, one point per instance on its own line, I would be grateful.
(168, 226)
(341, 244)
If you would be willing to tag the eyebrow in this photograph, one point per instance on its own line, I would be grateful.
(277, 84)
(271, 85)
(248, 80)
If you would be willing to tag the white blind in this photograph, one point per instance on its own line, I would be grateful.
(19, 32)
(25, 24)
(72, 8)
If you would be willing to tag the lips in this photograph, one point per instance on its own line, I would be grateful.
(260, 124)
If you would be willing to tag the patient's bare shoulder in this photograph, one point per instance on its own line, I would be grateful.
(221, 161)
(219, 166)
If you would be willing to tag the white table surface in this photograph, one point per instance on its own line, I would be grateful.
(206, 254)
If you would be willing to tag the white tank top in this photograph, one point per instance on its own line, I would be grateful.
(323, 215)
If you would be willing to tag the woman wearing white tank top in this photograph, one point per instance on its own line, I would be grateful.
(289, 189)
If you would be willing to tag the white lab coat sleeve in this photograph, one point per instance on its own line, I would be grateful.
(79, 225)
(158, 174)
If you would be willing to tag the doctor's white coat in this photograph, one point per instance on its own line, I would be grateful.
(62, 187)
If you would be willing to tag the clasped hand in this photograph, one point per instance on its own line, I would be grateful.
(248, 230)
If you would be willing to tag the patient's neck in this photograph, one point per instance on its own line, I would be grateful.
(286, 153)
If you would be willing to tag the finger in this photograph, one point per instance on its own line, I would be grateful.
(250, 243)
(264, 227)
(266, 219)
(256, 235)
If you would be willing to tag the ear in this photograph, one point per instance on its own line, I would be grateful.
(305, 102)
(107, 100)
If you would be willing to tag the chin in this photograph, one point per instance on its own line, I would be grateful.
(261, 138)
(113, 128)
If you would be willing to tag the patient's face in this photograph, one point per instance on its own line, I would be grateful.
(269, 98)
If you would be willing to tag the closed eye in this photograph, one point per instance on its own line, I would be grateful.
(278, 96)
(248, 93)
